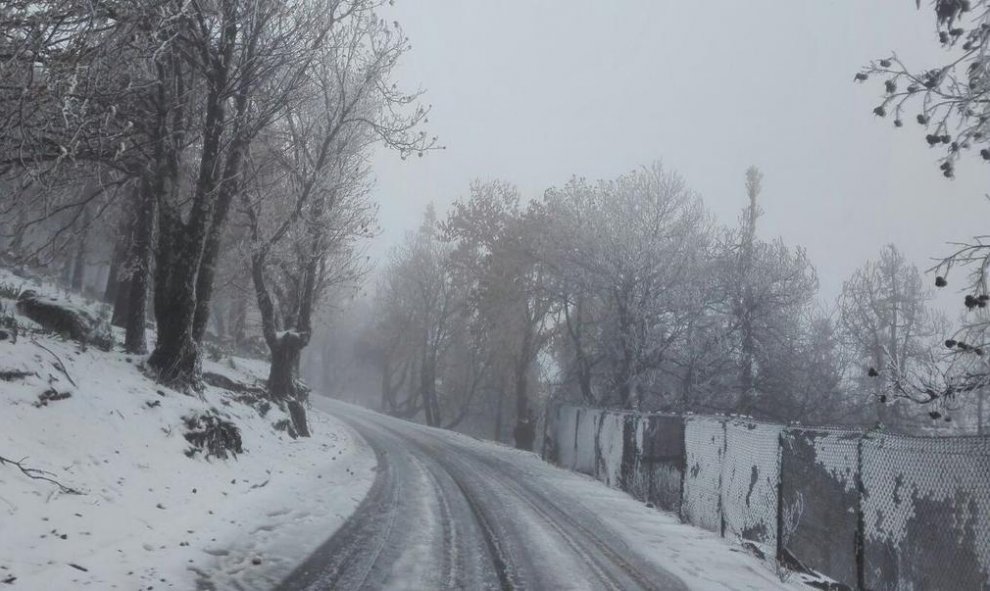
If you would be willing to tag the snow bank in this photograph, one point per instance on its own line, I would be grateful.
(149, 515)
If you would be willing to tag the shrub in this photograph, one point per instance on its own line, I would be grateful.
(212, 434)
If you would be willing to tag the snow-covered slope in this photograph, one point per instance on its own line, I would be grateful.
(148, 515)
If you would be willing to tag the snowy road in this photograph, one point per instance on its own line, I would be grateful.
(450, 512)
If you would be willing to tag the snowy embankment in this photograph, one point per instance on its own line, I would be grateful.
(147, 514)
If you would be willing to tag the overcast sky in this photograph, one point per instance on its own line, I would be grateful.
(534, 91)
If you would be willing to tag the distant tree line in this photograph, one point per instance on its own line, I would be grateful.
(626, 293)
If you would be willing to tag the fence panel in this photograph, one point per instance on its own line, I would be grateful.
(550, 420)
(659, 474)
(630, 474)
(750, 482)
(926, 513)
(586, 448)
(610, 446)
(819, 500)
(704, 447)
(565, 438)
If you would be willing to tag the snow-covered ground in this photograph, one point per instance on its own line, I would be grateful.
(149, 516)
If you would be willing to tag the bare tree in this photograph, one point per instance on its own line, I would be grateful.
(745, 304)
(495, 240)
(628, 257)
(887, 318)
(313, 160)
(424, 297)
(948, 99)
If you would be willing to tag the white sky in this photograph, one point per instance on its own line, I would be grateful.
(534, 91)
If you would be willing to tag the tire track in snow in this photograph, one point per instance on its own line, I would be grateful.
(497, 528)
(349, 557)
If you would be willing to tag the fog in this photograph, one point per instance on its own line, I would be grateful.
(453, 294)
(534, 92)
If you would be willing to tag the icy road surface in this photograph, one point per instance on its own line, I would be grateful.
(451, 512)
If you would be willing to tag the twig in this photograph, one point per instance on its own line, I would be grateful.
(58, 363)
(38, 474)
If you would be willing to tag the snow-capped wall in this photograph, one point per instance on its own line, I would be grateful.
(819, 500)
(704, 447)
(750, 479)
(926, 512)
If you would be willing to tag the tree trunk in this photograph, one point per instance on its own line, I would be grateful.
(79, 263)
(220, 321)
(176, 355)
(521, 392)
(285, 349)
(500, 395)
(179, 244)
(208, 269)
(979, 410)
(118, 291)
(16, 246)
(427, 387)
(238, 319)
(114, 273)
(121, 300)
(748, 394)
(140, 276)
(387, 404)
(67, 271)
(747, 387)
(282, 379)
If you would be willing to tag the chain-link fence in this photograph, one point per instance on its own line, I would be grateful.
(564, 436)
(750, 482)
(661, 460)
(926, 512)
(586, 441)
(704, 450)
(870, 511)
(611, 430)
(819, 520)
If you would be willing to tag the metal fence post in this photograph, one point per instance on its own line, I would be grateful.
(780, 495)
(680, 509)
(860, 543)
(721, 470)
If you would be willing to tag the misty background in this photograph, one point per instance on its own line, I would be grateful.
(536, 92)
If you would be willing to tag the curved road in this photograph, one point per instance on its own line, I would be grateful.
(450, 512)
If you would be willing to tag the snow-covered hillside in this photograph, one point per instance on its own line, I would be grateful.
(150, 512)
